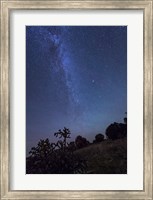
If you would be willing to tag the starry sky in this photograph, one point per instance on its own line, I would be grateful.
(76, 76)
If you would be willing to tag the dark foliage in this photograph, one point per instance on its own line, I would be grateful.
(71, 146)
(99, 138)
(63, 134)
(55, 158)
(125, 120)
(41, 158)
(81, 142)
(72, 158)
(116, 131)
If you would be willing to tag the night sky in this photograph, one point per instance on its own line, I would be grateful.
(76, 76)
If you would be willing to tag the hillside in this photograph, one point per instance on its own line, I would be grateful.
(107, 157)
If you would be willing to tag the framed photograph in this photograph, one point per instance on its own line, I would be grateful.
(76, 99)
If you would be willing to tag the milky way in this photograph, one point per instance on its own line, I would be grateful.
(75, 77)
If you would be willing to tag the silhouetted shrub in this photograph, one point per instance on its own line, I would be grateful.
(71, 146)
(99, 138)
(116, 131)
(63, 134)
(41, 158)
(125, 120)
(55, 158)
(81, 142)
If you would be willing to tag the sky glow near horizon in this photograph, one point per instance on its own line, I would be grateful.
(76, 76)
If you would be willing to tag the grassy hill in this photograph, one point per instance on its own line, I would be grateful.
(107, 157)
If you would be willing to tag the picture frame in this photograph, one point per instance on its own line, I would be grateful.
(6, 7)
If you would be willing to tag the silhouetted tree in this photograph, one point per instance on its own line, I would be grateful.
(116, 131)
(63, 134)
(40, 159)
(55, 158)
(125, 120)
(72, 146)
(81, 142)
(99, 138)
